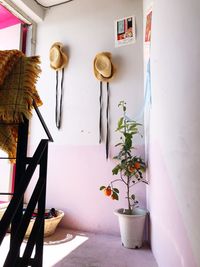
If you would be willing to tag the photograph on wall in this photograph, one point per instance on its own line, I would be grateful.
(148, 33)
(148, 27)
(125, 31)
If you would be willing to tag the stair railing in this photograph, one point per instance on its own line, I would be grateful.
(15, 217)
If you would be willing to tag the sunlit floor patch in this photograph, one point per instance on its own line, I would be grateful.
(68, 248)
(60, 245)
(56, 247)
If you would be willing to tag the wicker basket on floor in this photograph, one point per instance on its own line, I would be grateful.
(50, 224)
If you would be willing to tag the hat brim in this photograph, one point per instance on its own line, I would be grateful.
(98, 75)
(65, 59)
(62, 65)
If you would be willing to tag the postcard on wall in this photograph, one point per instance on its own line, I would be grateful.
(125, 31)
(147, 34)
(148, 27)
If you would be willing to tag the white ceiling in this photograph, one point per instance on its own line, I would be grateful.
(50, 2)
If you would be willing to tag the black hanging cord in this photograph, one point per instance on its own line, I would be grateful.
(53, 5)
(107, 117)
(100, 113)
(58, 108)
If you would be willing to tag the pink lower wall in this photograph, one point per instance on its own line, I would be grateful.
(173, 196)
(167, 225)
(75, 174)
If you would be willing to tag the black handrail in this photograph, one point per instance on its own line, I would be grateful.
(23, 225)
(42, 122)
(14, 215)
(18, 195)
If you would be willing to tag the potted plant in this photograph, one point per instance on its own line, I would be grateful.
(130, 169)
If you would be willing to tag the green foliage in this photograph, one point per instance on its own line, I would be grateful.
(116, 190)
(115, 196)
(130, 168)
(102, 187)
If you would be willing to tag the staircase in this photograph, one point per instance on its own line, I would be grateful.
(14, 215)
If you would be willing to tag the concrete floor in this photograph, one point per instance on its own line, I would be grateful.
(76, 249)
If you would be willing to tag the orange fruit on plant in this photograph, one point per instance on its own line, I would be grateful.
(107, 191)
(131, 168)
(137, 165)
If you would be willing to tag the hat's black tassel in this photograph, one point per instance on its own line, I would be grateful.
(61, 98)
(107, 117)
(56, 108)
(100, 113)
(59, 109)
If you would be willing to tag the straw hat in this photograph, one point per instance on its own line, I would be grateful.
(58, 58)
(103, 67)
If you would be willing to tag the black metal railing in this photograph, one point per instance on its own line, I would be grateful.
(15, 217)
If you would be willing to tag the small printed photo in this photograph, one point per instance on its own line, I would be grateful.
(148, 27)
(125, 31)
(129, 30)
(120, 27)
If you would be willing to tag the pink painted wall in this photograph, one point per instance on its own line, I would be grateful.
(75, 174)
(85, 206)
(169, 237)
(7, 18)
(173, 195)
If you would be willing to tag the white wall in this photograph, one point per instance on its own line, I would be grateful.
(5, 37)
(175, 126)
(77, 164)
(86, 29)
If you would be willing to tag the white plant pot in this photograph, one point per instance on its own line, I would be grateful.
(131, 227)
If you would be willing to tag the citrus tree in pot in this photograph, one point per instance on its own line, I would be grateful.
(130, 169)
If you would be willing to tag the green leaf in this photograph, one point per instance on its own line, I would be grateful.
(133, 132)
(128, 144)
(115, 196)
(116, 190)
(118, 144)
(116, 170)
(120, 122)
(133, 197)
(133, 127)
(128, 135)
(102, 187)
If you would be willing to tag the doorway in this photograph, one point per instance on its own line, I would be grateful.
(13, 35)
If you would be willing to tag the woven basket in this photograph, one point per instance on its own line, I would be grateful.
(50, 224)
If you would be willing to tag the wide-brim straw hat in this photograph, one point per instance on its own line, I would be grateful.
(58, 58)
(103, 67)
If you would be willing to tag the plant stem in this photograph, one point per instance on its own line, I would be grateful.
(122, 178)
(126, 156)
(143, 181)
(111, 183)
(128, 196)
